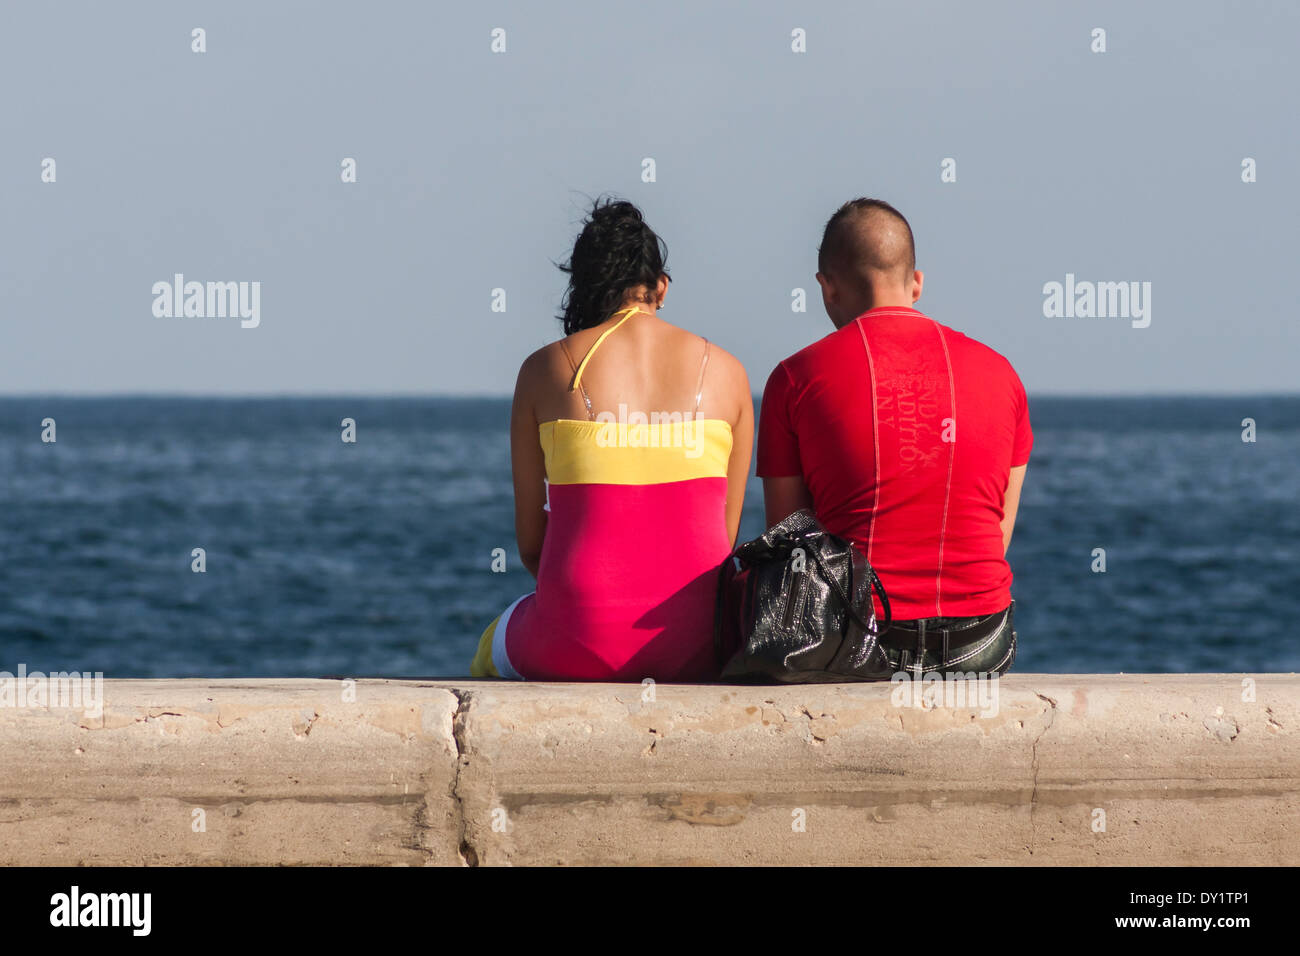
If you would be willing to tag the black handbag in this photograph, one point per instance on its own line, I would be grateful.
(798, 609)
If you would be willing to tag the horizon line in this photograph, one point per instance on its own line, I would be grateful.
(506, 396)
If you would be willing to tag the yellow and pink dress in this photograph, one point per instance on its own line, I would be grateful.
(636, 533)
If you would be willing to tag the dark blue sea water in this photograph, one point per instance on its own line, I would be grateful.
(326, 558)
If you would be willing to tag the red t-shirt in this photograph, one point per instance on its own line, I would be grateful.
(917, 478)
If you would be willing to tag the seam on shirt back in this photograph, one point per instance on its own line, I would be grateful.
(947, 489)
(875, 439)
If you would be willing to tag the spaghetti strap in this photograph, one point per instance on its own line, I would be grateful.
(699, 386)
(582, 366)
(591, 415)
(568, 355)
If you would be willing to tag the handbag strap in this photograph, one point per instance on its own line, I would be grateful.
(873, 581)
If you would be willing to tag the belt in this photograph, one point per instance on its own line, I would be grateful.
(911, 635)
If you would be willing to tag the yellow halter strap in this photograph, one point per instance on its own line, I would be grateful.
(627, 314)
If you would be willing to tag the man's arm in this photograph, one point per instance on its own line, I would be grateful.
(1011, 504)
(779, 463)
(784, 496)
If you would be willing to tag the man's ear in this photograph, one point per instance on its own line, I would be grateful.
(918, 280)
(828, 288)
(829, 297)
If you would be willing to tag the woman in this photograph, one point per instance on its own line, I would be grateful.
(630, 443)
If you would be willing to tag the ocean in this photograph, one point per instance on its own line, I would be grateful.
(325, 558)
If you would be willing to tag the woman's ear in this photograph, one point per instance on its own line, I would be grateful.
(662, 291)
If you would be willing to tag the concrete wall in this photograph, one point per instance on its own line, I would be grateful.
(1185, 768)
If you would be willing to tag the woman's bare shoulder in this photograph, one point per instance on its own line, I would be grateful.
(543, 366)
(728, 367)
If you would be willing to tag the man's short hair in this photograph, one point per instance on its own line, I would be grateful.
(867, 238)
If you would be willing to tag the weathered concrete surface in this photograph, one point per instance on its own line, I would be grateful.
(1183, 770)
(1087, 769)
(283, 771)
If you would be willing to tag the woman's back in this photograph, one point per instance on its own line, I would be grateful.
(644, 364)
(630, 445)
(637, 509)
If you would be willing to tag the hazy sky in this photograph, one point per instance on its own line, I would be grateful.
(474, 168)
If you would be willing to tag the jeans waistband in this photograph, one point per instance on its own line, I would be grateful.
(944, 633)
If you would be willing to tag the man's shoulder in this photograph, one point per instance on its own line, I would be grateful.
(974, 351)
(813, 356)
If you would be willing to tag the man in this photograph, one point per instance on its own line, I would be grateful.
(907, 438)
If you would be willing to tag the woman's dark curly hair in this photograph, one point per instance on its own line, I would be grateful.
(615, 252)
